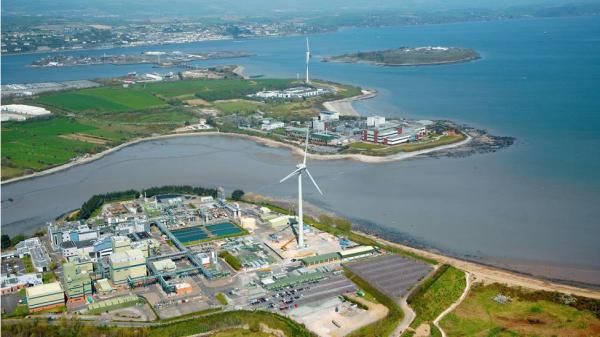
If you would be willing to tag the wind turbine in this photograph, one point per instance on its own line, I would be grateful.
(301, 168)
(307, 59)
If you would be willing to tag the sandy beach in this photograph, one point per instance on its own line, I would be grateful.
(344, 106)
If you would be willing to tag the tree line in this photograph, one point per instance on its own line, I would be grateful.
(96, 201)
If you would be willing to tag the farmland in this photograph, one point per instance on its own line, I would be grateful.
(91, 120)
(103, 99)
(37, 145)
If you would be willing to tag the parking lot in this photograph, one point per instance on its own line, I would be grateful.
(393, 275)
(292, 297)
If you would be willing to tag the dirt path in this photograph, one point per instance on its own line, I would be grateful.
(453, 306)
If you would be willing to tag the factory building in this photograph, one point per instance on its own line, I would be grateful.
(164, 266)
(270, 125)
(375, 121)
(70, 231)
(45, 296)
(320, 259)
(357, 253)
(10, 284)
(328, 116)
(387, 133)
(33, 248)
(127, 264)
(120, 244)
(77, 279)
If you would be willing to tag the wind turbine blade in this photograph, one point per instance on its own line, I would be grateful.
(306, 147)
(307, 47)
(290, 175)
(313, 181)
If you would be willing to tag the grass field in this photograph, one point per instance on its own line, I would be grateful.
(37, 145)
(212, 90)
(90, 120)
(103, 99)
(480, 315)
(221, 298)
(436, 294)
(381, 150)
(365, 146)
(238, 106)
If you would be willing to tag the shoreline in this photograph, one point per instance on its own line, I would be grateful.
(492, 274)
(263, 141)
(382, 64)
(479, 271)
(344, 106)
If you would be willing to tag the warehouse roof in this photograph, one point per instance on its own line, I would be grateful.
(44, 289)
(127, 256)
(356, 250)
(320, 258)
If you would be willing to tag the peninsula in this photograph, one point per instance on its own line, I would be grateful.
(405, 56)
(85, 124)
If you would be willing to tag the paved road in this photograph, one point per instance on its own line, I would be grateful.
(453, 306)
(409, 316)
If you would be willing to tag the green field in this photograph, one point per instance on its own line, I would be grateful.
(382, 150)
(365, 146)
(436, 294)
(91, 120)
(480, 315)
(36, 145)
(212, 90)
(103, 99)
(240, 107)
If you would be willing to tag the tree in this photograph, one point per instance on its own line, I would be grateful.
(237, 195)
(5, 241)
(17, 238)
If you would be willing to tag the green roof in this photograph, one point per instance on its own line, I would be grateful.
(320, 258)
(322, 137)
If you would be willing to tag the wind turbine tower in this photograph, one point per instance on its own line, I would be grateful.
(301, 168)
(307, 60)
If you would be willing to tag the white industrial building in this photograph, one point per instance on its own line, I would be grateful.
(296, 92)
(327, 116)
(270, 125)
(375, 121)
(20, 112)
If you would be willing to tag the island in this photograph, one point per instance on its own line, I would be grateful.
(186, 261)
(407, 56)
